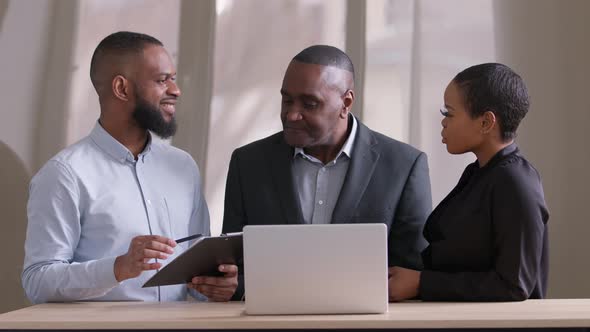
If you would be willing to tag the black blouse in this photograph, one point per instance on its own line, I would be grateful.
(488, 237)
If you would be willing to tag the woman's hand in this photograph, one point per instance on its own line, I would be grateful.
(403, 283)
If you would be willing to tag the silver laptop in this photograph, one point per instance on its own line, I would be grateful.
(315, 269)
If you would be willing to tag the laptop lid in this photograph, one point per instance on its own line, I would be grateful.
(316, 269)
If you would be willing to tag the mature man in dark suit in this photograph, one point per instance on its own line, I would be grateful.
(327, 167)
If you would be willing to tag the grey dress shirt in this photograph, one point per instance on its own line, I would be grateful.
(89, 201)
(318, 185)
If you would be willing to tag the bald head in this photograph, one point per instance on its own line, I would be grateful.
(328, 56)
(114, 55)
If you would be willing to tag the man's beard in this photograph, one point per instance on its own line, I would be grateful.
(150, 118)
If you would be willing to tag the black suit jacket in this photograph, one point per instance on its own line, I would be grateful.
(387, 182)
(488, 237)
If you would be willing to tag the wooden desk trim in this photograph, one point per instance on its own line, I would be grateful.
(191, 315)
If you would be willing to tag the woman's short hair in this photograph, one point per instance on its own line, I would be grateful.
(497, 88)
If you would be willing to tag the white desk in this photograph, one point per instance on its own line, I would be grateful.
(195, 316)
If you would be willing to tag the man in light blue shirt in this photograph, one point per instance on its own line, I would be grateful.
(103, 213)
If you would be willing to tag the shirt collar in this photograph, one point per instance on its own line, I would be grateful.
(346, 147)
(473, 169)
(114, 148)
(499, 156)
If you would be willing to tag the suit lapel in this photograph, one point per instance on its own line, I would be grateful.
(281, 158)
(360, 171)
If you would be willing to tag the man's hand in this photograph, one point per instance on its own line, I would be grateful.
(217, 289)
(403, 283)
(141, 250)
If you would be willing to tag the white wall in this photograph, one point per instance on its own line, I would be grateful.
(23, 41)
(547, 43)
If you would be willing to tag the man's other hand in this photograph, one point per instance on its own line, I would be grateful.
(217, 289)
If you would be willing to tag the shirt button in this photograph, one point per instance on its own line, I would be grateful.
(149, 202)
(320, 202)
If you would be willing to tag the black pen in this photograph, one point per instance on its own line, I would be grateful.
(188, 238)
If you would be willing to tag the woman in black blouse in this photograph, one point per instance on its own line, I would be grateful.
(488, 237)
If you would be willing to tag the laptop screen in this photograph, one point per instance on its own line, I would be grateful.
(315, 269)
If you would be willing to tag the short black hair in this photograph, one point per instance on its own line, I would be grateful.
(326, 55)
(497, 88)
(118, 44)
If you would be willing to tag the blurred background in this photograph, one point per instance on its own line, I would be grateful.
(231, 57)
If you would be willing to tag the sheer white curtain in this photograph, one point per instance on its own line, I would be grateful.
(254, 42)
(96, 20)
(414, 48)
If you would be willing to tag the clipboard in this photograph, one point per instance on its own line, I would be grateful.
(201, 259)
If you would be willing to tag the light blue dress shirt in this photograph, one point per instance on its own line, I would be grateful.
(88, 202)
(318, 185)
